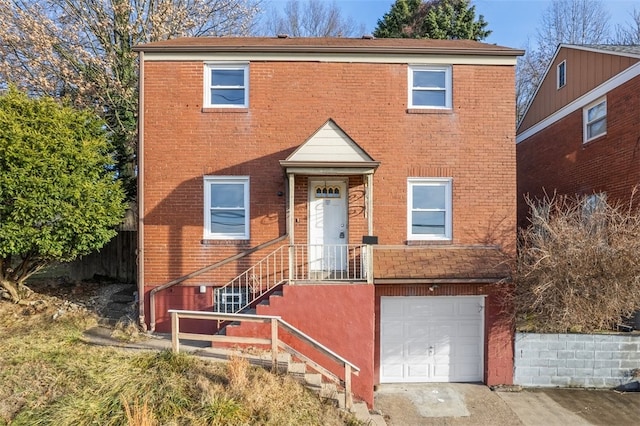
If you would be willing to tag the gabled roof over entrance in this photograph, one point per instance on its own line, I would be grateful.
(329, 151)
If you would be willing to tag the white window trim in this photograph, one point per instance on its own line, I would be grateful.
(586, 123)
(447, 183)
(207, 83)
(561, 65)
(212, 180)
(447, 82)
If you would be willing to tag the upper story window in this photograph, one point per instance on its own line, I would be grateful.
(595, 119)
(562, 74)
(429, 209)
(429, 87)
(226, 207)
(226, 85)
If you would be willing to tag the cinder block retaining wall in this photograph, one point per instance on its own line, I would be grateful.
(576, 360)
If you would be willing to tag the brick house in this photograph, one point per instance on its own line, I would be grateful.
(373, 178)
(579, 134)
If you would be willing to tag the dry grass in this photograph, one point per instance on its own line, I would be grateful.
(50, 376)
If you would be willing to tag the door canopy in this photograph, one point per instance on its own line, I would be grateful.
(329, 151)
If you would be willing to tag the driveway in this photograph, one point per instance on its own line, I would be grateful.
(476, 404)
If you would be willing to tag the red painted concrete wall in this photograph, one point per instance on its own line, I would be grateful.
(338, 316)
(556, 159)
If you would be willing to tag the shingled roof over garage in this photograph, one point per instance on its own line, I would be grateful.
(439, 264)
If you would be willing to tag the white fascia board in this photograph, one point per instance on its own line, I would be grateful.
(353, 58)
(600, 91)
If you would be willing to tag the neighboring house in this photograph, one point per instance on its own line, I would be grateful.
(375, 176)
(580, 134)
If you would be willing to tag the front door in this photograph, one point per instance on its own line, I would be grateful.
(328, 233)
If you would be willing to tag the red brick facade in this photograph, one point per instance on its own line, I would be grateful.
(473, 143)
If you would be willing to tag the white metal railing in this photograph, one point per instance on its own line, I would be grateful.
(273, 340)
(239, 293)
(328, 262)
(294, 263)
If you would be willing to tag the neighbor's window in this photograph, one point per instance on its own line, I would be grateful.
(593, 203)
(226, 212)
(226, 85)
(562, 74)
(429, 87)
(595, 119)
(230, 300)
(429, 209)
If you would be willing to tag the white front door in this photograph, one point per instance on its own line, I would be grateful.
(431, 339)
(328, 233)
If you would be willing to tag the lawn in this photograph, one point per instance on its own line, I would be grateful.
(51, 376)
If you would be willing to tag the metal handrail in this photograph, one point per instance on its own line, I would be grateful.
(152, 293)
(276, 322)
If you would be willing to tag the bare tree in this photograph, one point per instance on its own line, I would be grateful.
(578, 265)
(81, 50)
(564, 21)
(628, 34)
(311, 18)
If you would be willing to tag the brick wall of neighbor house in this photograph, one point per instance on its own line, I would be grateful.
(556, 159)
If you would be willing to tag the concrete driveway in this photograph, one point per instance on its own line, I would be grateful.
(476, 404)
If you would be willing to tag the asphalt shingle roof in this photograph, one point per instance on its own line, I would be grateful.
(440, 262)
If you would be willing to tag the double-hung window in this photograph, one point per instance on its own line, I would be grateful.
(595, 119)
(226, 207)
(430, 87)
(429, 209)
(226, 85)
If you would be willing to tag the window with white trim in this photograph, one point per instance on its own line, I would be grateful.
(226, 207)
(562, 74)
(595, 119)
(429, 87)
(429, 208)
(226, 85)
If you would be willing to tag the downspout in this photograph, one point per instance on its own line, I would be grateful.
(140, 260)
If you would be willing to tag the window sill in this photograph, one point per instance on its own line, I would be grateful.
(595, 139)
(218, 110)
(428, 242)
(429, 111)
(234, 243)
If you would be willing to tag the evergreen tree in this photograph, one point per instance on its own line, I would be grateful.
(438, 19)
(58, 199)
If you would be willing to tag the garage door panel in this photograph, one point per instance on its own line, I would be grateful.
(417, 371)
(431, 338)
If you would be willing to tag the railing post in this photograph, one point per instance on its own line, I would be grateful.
(369, 272)
(175, 330)
(291, 262)
(274, 344)
(348, 399)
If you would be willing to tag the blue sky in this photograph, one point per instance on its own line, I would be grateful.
(511, 21)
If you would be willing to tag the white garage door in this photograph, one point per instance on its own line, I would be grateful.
(431, 339)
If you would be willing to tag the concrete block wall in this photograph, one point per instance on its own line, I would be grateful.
(576, 360)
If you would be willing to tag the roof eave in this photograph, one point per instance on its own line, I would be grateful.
(386, 50)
